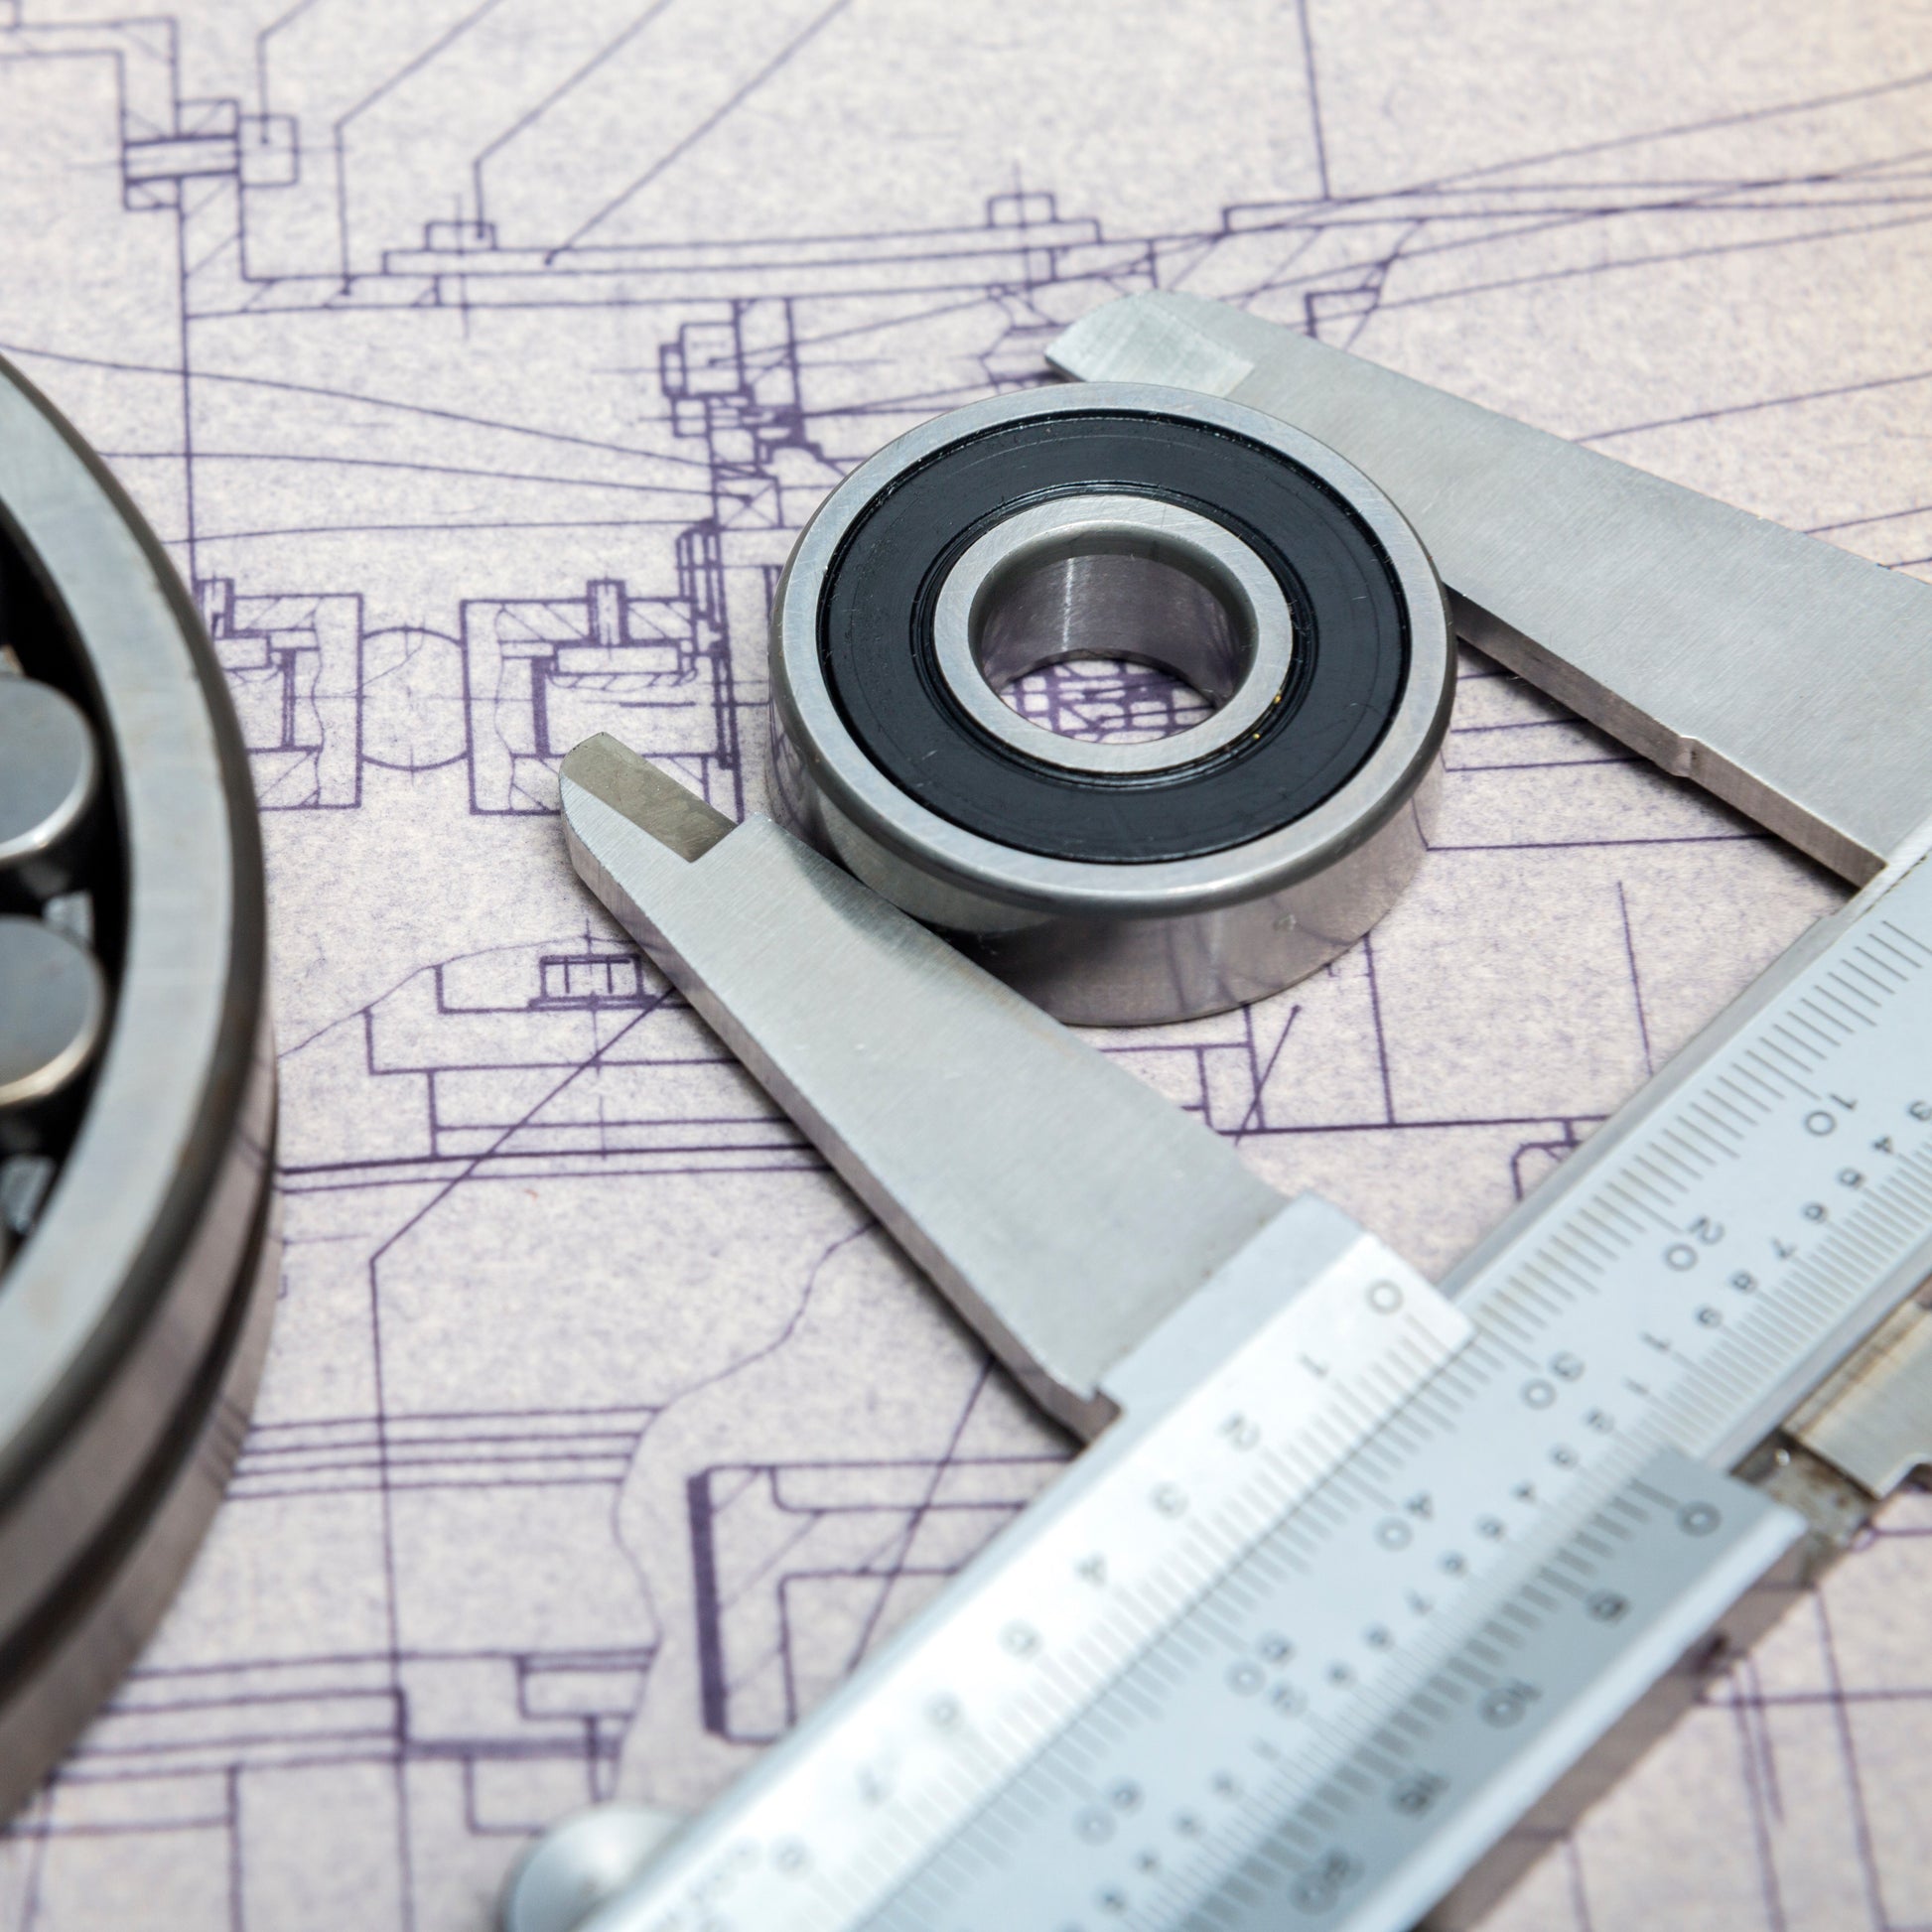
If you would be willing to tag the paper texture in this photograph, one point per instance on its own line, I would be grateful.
(480, 362)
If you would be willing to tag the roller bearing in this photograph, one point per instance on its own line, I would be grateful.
(137, 1236)
(1115, 883)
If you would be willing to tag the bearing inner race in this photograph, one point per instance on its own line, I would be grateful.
(1136, 579)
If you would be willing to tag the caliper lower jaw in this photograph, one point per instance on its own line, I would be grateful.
(992, 1144)
(1108, 1249)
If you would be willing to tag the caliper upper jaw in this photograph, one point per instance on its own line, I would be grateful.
(1764, 665)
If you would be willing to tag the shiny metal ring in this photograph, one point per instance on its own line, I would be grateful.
(137, 1235)
(1209, 611)
(1127, 884)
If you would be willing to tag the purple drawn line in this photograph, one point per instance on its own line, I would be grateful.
(708, 124)
(420, 529)
(307, 459)
(1636, 981)
(1743, 118)
(1711, 253)
(31, 352)
(550, 100)
(411, 67)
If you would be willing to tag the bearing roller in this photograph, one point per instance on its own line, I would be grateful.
(1115, 883)
(137, 1238)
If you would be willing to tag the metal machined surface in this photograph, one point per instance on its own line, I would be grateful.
(1117, 942)
(988, 1139)
(1872, 1418)
(56, 1004)
(558, 1883)
(1145, 581)
(1785, 675)
(133, 1313)
(48, 775)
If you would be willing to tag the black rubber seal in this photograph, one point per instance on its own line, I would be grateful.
(1351, 639)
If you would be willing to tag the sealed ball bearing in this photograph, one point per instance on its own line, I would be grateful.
(137, 1244)
(1116, 882)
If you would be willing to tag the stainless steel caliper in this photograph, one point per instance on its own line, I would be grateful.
(1364, 1585)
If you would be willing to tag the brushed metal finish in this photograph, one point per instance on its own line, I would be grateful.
(1314, 1326)
(1733, 1367)
(1116, 944)
(1113, 576)
(1063, 1208)
(99, 1620)
(1873, 1419)
(674, 815)
(1788, 677)
(1601, 1339)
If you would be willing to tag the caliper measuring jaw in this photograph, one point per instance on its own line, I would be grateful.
(990, 1141)
(1788, 677)
(1357, 1576)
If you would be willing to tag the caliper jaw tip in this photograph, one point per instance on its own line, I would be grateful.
(1163, 337)
(609, 795)
(988, 1139)
(644, 793)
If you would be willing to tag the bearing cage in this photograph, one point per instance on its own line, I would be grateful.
(1160, 920)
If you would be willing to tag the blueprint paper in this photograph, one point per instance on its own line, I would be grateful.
(479, 363)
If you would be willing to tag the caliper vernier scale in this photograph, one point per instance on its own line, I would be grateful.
(1362, 1585)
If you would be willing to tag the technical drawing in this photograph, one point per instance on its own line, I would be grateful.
(542, 675)
(478, 366)
(859, 1542)
(295, 669)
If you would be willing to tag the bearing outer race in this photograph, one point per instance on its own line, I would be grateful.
(877, 647)
(134, 1316)
(853, 793)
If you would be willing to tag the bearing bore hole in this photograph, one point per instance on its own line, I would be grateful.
(1114, 638)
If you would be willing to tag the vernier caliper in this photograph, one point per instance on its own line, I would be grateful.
(1364, 1585)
